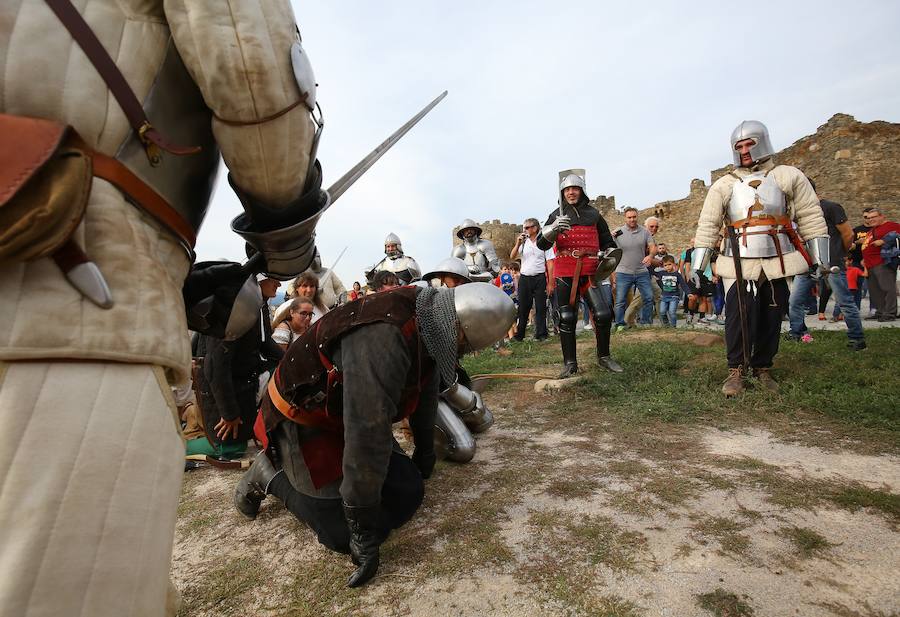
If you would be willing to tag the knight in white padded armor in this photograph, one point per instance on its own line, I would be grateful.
(92, 483)
(478, 254)
(774, 215)
(404, 266)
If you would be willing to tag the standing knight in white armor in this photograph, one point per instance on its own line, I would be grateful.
(478, 254)
(404, 266)
(760, 203)
(92, 477)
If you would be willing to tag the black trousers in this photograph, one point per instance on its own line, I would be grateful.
(764, 311)
(401, 496)
(532, 290)
(599, 301)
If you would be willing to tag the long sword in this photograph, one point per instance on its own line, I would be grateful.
(346, 181)
(330, 271)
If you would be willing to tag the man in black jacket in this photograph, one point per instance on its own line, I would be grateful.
(229, 382)
(581, 239)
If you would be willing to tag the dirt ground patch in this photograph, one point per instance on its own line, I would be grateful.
(571, 508)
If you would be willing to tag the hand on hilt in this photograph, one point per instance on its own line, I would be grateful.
(562, 223)
(474, 269)
(365, 541)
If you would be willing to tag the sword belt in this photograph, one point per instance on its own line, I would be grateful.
(776, 225)
(579, 256)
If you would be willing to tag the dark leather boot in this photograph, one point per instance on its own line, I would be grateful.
(734, 383)
(567, 341)
(365, 539)
(765, 379)
(610, 365)
(602, 334)
(251, 488)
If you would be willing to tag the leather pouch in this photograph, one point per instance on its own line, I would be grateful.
(45, 181)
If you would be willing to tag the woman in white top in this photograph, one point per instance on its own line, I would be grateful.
(297, 321)
(305, 286)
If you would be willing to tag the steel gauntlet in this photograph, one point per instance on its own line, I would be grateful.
(285, 237)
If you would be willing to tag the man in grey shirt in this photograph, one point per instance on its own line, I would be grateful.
(637, 246)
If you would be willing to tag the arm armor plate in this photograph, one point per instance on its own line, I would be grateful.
(469, 406)
(819, 252)
(285, 237)
(700, 259)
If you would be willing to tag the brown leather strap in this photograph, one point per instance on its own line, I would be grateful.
(753, 221)
(115, 81)
(576, 279)
(577, 254)
(69, 255)
(113, 171)
(268, 118)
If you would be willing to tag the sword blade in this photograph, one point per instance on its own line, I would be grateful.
(346, 181)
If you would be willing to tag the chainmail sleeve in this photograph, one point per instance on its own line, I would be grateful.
(438, 327)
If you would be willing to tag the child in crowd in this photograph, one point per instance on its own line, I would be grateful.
(508, 281)
(671, 284)
(855, 278)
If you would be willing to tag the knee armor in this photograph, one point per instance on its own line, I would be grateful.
(452, 440)
(600, 307)
(568, 316)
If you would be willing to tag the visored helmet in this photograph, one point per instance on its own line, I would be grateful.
(757, 131)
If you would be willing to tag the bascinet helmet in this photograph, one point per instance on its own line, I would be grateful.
(573, 180)
(392, 238)
(757, 131)
(467, 224)
(485, 313)
(451, 265)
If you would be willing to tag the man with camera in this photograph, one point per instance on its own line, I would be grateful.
(533, 286)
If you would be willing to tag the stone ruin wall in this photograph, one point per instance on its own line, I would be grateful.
(853, 163)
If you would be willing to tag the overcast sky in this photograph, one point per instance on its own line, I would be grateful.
(643, 96)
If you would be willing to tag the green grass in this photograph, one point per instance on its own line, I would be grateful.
(807, 542)
(223, 589)
(726, 532)
(675, 381)
(722, 603)
(855, 497)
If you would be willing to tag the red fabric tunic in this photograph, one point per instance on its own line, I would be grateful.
(581, 238)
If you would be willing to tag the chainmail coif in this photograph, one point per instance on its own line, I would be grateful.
(436, 315)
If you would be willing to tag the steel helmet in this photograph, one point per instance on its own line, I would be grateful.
(757, 131)
(451, 265)
(485, 313)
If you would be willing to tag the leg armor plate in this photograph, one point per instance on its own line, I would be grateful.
(452, 440)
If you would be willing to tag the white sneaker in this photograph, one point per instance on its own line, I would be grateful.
(589, 326)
